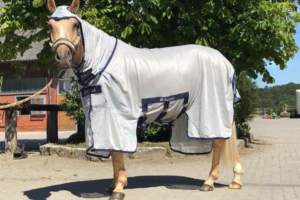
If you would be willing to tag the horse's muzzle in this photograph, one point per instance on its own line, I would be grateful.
(63, 57)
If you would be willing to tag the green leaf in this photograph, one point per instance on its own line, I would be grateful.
(38, 3)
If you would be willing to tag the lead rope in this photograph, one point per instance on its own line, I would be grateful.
(61, 73)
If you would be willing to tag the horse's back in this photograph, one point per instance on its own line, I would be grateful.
(169, 70)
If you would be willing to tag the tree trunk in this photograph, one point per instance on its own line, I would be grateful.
(11, 142)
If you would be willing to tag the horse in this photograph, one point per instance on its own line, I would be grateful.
(191, 88)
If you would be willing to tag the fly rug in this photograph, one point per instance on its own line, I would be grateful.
(190, 88)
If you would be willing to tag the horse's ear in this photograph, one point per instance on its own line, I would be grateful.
(74, 6)
(51, 5)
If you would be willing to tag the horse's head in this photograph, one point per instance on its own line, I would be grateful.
(65, 37)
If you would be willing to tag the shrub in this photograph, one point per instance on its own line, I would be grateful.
(73, 107)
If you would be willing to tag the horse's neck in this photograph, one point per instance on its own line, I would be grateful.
(98, 46)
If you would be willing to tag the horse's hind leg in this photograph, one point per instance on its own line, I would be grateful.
(214, 173)
(120, 177)
(238, 171)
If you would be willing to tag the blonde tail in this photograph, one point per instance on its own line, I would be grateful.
(229, 151)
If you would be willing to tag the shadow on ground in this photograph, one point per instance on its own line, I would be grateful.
(30, 144)
(96, 188)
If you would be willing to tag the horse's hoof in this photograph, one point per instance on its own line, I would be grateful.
(117, 196)
(235, 185)
(109, 191)
(206, 188)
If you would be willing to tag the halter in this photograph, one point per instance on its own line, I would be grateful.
(65, 41)
(73, 46)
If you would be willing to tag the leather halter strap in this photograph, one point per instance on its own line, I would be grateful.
(65, 41)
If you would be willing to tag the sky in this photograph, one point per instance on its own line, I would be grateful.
(290, 74)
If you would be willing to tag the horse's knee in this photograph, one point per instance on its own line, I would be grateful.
(122, 178)
(238, 169)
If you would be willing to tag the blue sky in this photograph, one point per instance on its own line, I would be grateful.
(290, 74)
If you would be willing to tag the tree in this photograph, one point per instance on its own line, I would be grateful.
(244, 109)
(277, 96)
(249, 33)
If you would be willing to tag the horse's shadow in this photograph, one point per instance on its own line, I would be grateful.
(96, 188)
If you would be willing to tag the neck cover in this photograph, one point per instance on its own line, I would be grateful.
(189, 88)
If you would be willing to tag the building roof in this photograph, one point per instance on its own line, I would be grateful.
(30, 54)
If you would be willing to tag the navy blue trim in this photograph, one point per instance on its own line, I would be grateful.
(80, 66)
(95, 150)
(60, 18)
(189, 153)
(83, 75)
(168, 99)
(187, 128)
(194, 138)
(160, 116)
(142, 120)
(91, 90)
(87, 80)
(99, 156)
(215, 138)
(82, 39)
(182, 111)
(166, 105)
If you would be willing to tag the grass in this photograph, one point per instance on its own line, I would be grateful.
(154, 144)
(157, 144)
(80, 145)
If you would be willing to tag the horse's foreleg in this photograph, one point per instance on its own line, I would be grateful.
(238, 171)
(120, 177)
(113, 184)
(214, 173)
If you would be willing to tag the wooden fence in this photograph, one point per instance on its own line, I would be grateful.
(11, 123)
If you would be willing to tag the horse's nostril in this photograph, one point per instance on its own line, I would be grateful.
(57, 56)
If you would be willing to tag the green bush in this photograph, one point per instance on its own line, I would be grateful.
(73, 106)
(154, 133)
(244, 109)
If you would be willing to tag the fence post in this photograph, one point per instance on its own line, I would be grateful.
(11, 142)
(52, 127)
(1, 82)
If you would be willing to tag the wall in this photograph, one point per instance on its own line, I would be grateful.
(24, 123)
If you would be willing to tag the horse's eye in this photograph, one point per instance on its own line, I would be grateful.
(76, 26)
(50, 26)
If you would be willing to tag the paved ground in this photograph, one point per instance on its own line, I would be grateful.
(272, 172)
(32, 140)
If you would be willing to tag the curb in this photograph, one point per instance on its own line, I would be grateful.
(141, 152)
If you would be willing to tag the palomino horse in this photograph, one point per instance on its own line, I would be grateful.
(122, 86)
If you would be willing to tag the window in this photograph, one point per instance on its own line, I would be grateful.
(36, 100)
(23, 86)
(63, 85)
(23, 113)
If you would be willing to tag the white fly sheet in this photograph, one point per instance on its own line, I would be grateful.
(190, 88)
